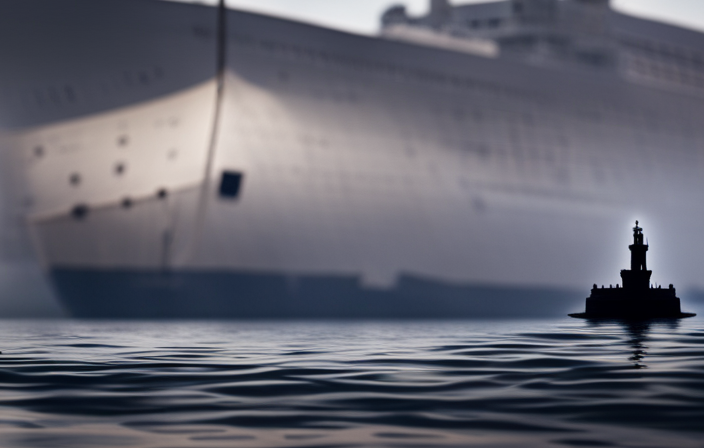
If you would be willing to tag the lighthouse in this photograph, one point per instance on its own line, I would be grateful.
(638, 277)
(637, 299)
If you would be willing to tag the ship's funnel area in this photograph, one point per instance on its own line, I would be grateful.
(440, 11)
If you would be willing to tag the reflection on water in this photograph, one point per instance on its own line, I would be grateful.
(638, 332)
(315, 384)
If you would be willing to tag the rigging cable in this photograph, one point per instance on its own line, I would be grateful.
(221, 43)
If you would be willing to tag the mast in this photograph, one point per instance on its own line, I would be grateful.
(220, 72)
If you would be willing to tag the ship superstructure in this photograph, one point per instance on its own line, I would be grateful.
(323, 173)
(584, 35)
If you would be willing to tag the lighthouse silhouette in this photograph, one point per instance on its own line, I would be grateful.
(638, 278)
(637, 299)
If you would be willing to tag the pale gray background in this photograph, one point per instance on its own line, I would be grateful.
(362, 15)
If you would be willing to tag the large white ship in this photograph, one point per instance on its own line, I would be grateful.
(182, 160)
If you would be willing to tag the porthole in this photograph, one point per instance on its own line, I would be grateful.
(127, 203)
(75, 179)
(123, 140)
(70, 94)
(162, 193)
(120, 168)
(79, 211)
(39, 152)
(230, 184)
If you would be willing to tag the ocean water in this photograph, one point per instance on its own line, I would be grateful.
(542, 383)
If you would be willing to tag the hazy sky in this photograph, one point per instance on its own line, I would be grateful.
(363, 15)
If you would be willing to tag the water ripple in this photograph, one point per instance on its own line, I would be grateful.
(505, 384)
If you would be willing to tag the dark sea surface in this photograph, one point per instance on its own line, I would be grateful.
(543, 383)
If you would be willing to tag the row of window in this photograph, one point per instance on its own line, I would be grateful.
(659, 50)
(229, 188)
(404, 73)
(383, 69)
(67, 94)
(478, 24)
(665, 72)
(81, 211)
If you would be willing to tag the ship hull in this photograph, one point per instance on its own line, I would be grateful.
(195, 294)
(357, 161)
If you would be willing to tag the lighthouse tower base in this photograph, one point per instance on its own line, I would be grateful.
(620, 303)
